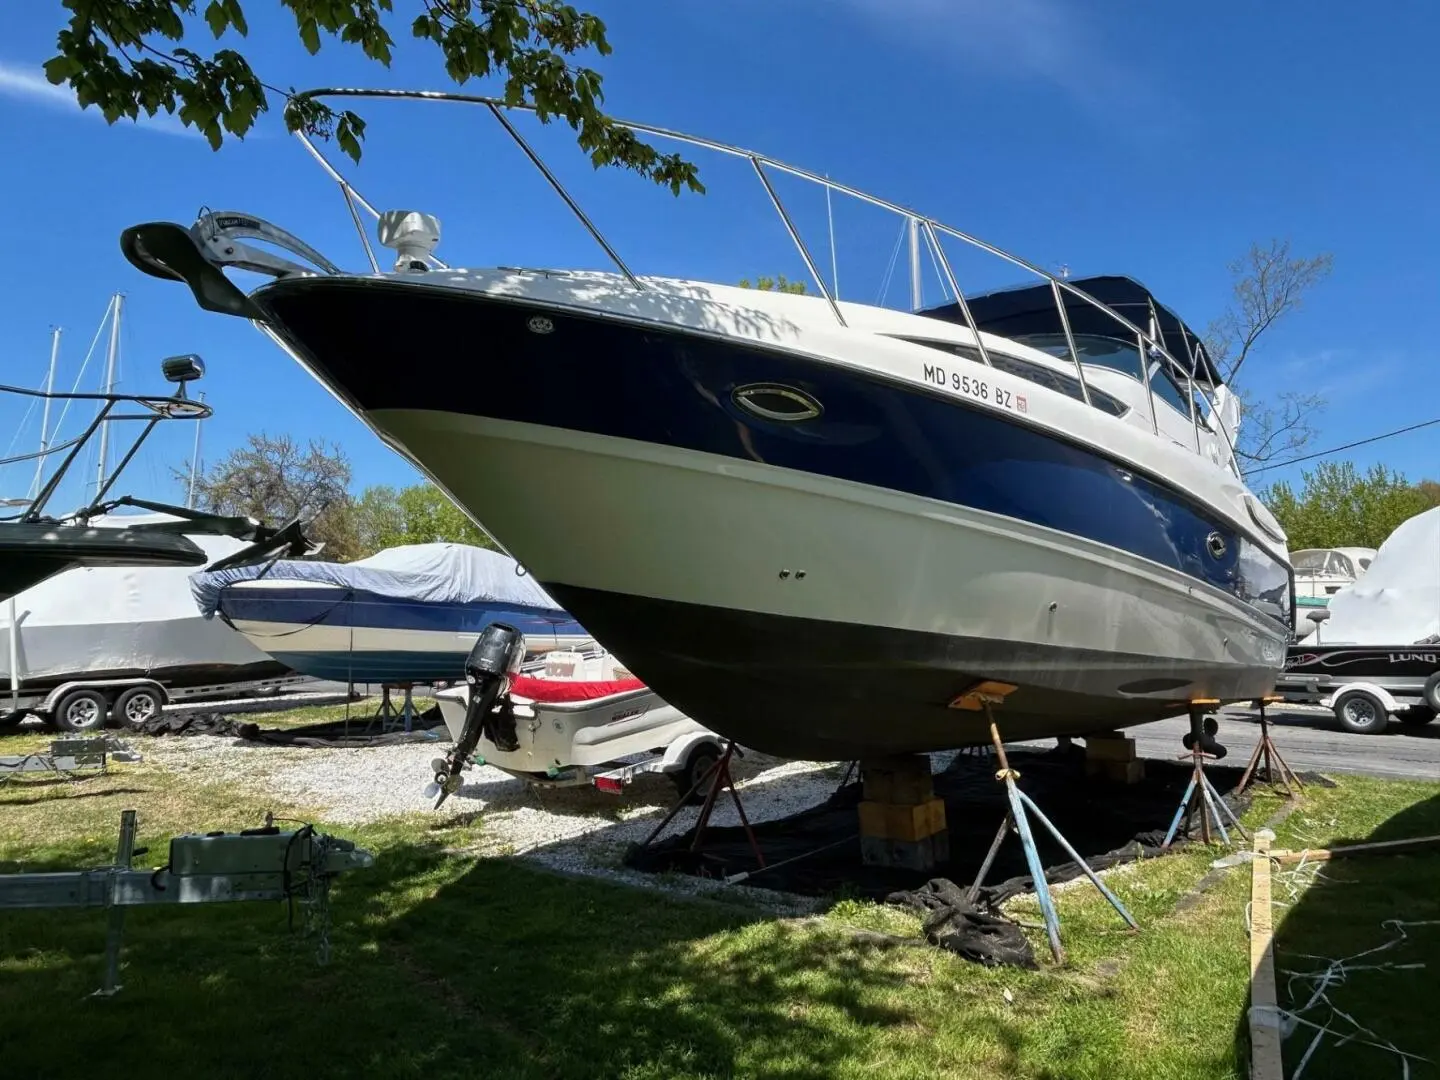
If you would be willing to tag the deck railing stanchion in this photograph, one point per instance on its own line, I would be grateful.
(799, 243)
(359, 226)
(955, 288)
(1070, 340)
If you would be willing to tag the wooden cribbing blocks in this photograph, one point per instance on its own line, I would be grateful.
(1114, 757)
(902, 823)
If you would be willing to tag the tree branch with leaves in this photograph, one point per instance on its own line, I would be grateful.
(1269, 284)
(126, 56)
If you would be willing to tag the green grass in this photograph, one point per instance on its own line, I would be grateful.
(453, 966)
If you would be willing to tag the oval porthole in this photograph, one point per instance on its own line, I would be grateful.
(771, 401)
(1215, 544)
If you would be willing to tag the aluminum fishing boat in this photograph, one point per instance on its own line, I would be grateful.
(818, 523)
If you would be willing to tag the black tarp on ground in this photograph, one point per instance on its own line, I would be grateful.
(1105, 822)
(356, 732)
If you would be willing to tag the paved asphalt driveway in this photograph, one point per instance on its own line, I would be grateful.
(1309, 739)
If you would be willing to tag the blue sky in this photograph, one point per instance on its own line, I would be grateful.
(1153, 140)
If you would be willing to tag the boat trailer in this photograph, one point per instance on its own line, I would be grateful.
(265, 863)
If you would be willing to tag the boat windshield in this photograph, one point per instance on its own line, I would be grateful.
(1115, 354)
(1323, 561)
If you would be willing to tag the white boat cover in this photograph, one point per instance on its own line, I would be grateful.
(108, 618)
(432, 573)
(1397, 600)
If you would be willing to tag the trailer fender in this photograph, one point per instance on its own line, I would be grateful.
(679, 750)
(1385, 697)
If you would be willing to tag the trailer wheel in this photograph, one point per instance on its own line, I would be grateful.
(697, 763)
(1361, 712)
(81, 710)
(135, 706)
(1431, 693)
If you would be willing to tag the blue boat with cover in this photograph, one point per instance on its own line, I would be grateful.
(406, 615)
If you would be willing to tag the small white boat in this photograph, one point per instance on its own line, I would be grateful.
(1322, 572)
(578, 716)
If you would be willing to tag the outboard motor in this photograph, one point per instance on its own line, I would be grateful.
(495, 657)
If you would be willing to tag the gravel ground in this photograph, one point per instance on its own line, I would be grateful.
(572, 830)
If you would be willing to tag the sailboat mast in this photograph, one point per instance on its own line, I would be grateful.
(194, 462)
(117, 302)
(45, 416)
(916, 287)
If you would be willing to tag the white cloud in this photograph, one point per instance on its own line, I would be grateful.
(30, 85)
(1046, 40)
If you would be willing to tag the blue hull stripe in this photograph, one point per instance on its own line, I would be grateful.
(311, 606)
(676, 389)
(376, 666)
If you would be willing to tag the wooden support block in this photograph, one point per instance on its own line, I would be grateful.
(921, 855)
(903, 780)
(1105, 748)
(902, 788)
(891, 821)
(1118, 772)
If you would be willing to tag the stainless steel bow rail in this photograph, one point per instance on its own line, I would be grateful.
(923, 228)
(266, 863)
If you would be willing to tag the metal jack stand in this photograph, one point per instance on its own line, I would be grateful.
(985, 696)
(1265, 750)
(719, 777)
(1207, 800)
(388, 714)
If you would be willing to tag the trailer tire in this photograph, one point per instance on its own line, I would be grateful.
(1361, 712)
(1431, 693)
(697, 763)
(135, 706)
(81, 711)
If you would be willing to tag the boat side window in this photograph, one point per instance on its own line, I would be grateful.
(1031, 372)
(1341, 564)
(1118, 356)
(1364, 563)
(1310, 561)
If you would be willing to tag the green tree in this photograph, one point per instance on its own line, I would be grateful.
(125, 56)
(275, 479)
(1338, 507)
(421, 514)
(775, 284)
(1268, 284)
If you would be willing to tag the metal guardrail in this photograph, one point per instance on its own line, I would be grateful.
(1148, 340)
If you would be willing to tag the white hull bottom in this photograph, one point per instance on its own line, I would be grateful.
(368, 654)
(818, 618)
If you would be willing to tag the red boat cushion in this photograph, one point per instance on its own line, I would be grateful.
(528, 686)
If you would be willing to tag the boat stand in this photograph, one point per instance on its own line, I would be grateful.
(388, 714)
(1200, 794)
(1265, 750)
(986, 696)
(718, 777)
